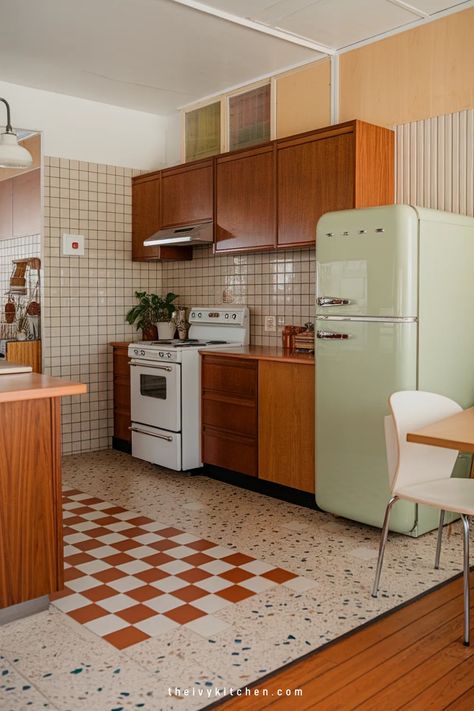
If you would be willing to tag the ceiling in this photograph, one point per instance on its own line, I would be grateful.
(158, 55)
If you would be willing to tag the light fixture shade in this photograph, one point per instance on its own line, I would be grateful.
(12, 155)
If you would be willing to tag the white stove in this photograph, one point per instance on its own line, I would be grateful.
(166, 386)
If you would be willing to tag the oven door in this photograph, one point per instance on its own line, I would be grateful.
(156, 394)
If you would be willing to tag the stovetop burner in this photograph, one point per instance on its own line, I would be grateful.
(185, 343)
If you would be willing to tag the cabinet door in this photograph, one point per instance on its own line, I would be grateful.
(246, 200)
(286, 424)
(27, 204)
(145, 216)
(187, 194)
(121, 393)
(314, 176)
(6, 209)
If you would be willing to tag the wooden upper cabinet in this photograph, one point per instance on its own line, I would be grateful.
(146, 220)
(346, 166)
(6, 209)
(187, 193)
(245, 194)
(27, 204)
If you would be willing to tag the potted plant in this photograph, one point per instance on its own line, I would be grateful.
(145, 314)
(166, 323)
(151, 310)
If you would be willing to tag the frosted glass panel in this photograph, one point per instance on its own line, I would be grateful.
(203, 132)
(249, 118)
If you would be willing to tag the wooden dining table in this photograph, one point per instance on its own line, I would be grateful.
(455, 432)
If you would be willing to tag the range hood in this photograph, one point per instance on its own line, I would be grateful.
(200, 233)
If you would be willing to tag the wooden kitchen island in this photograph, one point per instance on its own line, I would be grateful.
(31, 540)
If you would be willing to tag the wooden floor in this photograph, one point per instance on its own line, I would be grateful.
(412, 659)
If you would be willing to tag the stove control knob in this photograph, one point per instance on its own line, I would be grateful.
(234, 316)
(142, 353)
(136, 351)
(161, 354)
(168, 355)
(227, 315)
(193, 314)
(199, 315)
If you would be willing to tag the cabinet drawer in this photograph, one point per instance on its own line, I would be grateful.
(233, 376)
(228, 414)
(121, 364)
(240, 454)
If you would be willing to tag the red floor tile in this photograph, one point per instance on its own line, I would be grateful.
(151, 575)
(198, 559)
(137, 613)
(236, 575)
(147, 592)
(100, 592)
(184, 614)
(238, 559)
(87, 613)
(169, 532)
(235, 593)
(106, 576)
(194, 575)
(190, 593)
(126, 637)
(278, 575)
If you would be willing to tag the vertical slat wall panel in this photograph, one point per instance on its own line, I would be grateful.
(435, 163)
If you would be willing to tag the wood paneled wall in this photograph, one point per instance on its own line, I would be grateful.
(410, 76)
(435, 163)
(303, 99)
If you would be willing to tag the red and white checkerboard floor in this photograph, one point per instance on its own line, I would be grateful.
(129, 578)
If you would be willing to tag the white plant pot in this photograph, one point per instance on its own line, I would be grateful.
(166, 330)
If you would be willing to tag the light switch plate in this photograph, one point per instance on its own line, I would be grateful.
(73, 245)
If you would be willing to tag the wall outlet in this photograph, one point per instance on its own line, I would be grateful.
(270, 324)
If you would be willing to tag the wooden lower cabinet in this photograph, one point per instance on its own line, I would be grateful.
(258, 418)
(31, 541)
(229, 413)
(121, 385)
(286, 407)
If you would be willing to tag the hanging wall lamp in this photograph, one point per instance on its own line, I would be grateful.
(12, 155)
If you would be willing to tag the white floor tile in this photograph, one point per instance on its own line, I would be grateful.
(102, 551)
(71, 602)
(153, 526)
(135, 566)
(300, 584)
(175, 566)
(211, 603)
(117, 602)
(93, 566)
(147, 538)
(112, 538)
(185, 538)
(141, 552)
(86, 582)
(216, 567)
(129, 582)
(257, 567)
(76, 538)
(219, 552)
(164, 603)
(180, 552)
(93, 515)
(214, 584)
(258, 584)
(157, 625)
(119, 526)
(84, 526)
(207, 626)
(168, 584)
(71, 550)
(106, 624)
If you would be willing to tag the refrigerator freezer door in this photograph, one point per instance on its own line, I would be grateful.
(366, 262)
(354, 378)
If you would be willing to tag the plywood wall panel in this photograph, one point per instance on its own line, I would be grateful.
(435, 163)
(411, 76)
(303, 99)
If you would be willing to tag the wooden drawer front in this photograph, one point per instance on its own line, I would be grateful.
(240, 454)
(122, 394)
(121, 363)
(231, 415)
(232, 376)
(121, 425)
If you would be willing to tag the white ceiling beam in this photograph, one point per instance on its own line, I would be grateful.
(410, 8)
(258, 26)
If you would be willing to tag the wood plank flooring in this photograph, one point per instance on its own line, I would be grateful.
(413, 659)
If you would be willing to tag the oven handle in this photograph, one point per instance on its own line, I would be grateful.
(157, 367)
(135, 429)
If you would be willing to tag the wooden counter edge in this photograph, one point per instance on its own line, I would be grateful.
(300, 358)
(33, 386)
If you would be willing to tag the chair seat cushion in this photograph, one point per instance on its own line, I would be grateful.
(452, 494)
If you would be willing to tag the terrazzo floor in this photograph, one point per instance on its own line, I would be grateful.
(53, 661)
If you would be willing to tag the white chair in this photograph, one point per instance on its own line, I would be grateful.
(422, 473)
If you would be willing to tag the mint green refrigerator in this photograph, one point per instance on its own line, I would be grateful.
(394, 311)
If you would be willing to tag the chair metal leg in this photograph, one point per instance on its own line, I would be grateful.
(467, 590)
(440, 536)
(383, 541)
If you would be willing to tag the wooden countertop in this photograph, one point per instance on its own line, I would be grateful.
(120, 344)
(33, 386)
(262, 353)
(455, 432)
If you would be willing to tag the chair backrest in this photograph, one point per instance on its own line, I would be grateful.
(416, 463)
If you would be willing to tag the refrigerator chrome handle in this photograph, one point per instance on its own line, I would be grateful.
(332, 336)
(333, 301)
